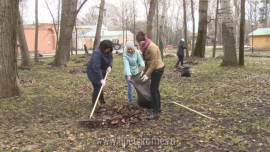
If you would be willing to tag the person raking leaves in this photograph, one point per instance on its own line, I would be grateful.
(98, 65)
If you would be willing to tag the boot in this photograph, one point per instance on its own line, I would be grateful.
(102, 102)
(154, 115)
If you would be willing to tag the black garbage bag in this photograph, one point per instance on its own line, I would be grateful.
(143, 91)
(185, 71)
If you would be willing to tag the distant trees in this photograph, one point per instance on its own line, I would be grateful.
(9, 84)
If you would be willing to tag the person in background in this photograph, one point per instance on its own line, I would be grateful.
(98, 65)
(154, 68)
(85, 49)
(131, 58)
(180, 52)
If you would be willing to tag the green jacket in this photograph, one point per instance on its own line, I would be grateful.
(131, 62)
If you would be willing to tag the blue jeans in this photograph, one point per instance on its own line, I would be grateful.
(130, 96)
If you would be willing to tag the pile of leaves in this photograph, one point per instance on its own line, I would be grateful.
(78, 70)
(25, 81)
(191, 61)
(120, 114)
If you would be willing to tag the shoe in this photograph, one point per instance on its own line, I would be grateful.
(153, 116)
(102, 102)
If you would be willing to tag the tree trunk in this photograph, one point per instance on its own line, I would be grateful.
(157, 36)
(228, 39)
(216, 26)
(185, 26)
(26, 62)
(236, 21)
(193, 28)
(242, 34)
(99, 24)
(68, 17)
(150, 18)
(134, 21)
(199, 50)
(36, 31)
(161, 27)
(9, 83)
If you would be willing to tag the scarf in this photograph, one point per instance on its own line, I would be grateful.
(146, 44)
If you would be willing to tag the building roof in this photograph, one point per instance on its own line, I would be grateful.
(260, 32)
(104, 34)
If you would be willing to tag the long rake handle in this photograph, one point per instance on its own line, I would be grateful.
(193, 111)
(92, 112)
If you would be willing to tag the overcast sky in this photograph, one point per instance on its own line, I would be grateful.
(45, 17)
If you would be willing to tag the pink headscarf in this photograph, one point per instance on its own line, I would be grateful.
(146, 44)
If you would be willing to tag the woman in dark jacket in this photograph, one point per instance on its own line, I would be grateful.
(100, 62)
(180, 53)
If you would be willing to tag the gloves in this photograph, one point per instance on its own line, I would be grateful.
(103, 82)
(141, 74)
(129, 78)
(109, 69)
(144, 78)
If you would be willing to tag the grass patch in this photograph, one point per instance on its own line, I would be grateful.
(45, 116)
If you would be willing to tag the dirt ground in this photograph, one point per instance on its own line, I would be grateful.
(46, 116)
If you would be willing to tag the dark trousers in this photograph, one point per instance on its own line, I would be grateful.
(180, 59)
(154, 90)
(96, 88)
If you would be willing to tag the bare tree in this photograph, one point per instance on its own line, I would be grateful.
(146, 5)
(228, 39)
(26, 62)
(242, 34)
(68, 17)
(56, 24)
(216, 26)
(99, 24)
(236, 20)
(36, 31)
(9, 83)
(161, 27)
(185, 25)
(199, 50)
(193, 27)
(150, 18)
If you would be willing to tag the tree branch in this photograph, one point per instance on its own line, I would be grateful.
(81, 7)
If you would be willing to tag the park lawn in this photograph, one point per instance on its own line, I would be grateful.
(45, 117)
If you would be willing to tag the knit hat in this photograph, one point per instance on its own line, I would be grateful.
(130, 44)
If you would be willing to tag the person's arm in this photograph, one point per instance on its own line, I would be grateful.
(154, 60)
(111, 59)
(184, 46)
(126, 65)
(140, 59)
(97, 64)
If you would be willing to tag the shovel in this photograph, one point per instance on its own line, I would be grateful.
(90, 122)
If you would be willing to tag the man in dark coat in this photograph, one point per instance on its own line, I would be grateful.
(98, 65)
(180, 53)
(85, 49)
